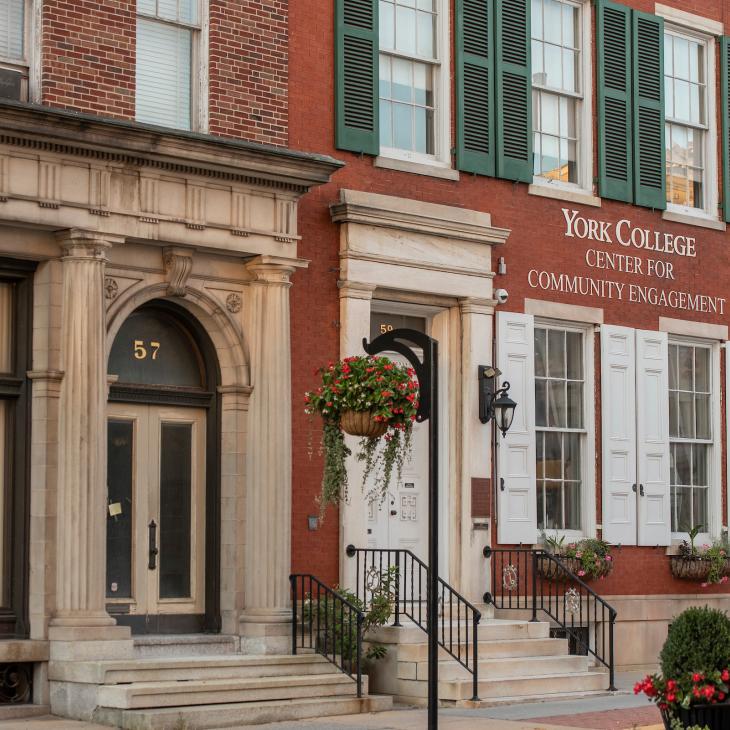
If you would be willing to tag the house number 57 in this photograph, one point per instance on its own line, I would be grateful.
(142, 350)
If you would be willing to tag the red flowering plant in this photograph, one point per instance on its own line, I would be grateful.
(381, 388)
(695, 665)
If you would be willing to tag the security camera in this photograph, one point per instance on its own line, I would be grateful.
(501, 295)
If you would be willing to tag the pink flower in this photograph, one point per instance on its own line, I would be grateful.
(609, 558)
(578, 554)
(581, 573)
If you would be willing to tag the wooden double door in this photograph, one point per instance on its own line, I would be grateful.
(156, 526)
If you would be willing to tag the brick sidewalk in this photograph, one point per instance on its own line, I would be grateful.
(610, 720)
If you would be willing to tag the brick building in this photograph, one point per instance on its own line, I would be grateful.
(202, 200)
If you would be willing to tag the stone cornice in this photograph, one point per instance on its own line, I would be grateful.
(415, 216)
(41, 128)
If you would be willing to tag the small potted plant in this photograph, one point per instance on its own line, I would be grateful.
(706, 564)
(588, 559)
(371, 397)
(692, 687)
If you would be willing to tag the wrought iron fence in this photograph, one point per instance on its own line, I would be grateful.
(326, 622)
(537, 581)
(458, 619)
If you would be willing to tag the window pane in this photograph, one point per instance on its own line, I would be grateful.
(574, 342)
(673, 415)
(405, 30)
(386, 19)
(681, 509)
(12, 29)
(571, 496)
(386, 126)
(553, 66)
(673, 377)
(164, 56)
(423, 93)
(553, 456)
(426, 35)
(668, 58)
(538, 77)
(702, 414)
(575, 405)
(189, 11)
(403, 126)
(556, 353)
(699, 508)
(541, 505)
(702, 370)
(570, 26)
(536, 19)
(402, 80)
(681, 58)
(684, 363)
(681, 101)
(385, 88)
(422, 118)
(700, 453)
(553, 506)
(147, 6)
(540, 345)
(119, 523)
(167, 9)
(552, 30)
(175, 509)
(541, 403)
(682, 463)
(570, 70)
(572, 456)
(557, 407)
(6, 328)
(540, 455)
(686, 415)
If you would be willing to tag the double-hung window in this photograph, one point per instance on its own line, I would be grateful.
(691, 434)
(687, 116)
(14, 54)
(409, 68)
(168, 54)
(556, 88)
(559, 426)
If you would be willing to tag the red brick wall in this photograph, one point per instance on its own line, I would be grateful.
(89, 63)
(537, 241)
(88, 56)
(248, 69)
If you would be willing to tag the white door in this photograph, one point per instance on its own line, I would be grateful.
(156, 513)
(400, 521)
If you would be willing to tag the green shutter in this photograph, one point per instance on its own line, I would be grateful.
(725, 114)
(649, 152)
(615, 142)
(475, 86)
(356, 76)
(514, 90)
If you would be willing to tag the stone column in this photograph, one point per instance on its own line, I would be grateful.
(355, 301)
(80, 613)
(265, 620)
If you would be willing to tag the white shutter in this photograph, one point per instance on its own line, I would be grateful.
(11, 29)
(517, 522)
(727, 425)
(618, 407)
(164, 74)
(652, 424)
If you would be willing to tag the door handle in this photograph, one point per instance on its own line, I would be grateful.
(633, 486)
(501, 484)
(393, 513)
(641, 490)
(153, 551)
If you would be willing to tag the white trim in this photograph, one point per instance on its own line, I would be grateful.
(562, 191)
(689, 20)
(431, 168)
(688, 328)
(695, 217)
(709, 211)
(201, 69)
(568, 312)
(726, 347)
(33, 54)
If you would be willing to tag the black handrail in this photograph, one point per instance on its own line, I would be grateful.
(411, 575)
(536, 580)
(328, 623)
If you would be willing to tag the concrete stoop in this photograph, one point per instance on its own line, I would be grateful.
(196, 692)
(518, 662)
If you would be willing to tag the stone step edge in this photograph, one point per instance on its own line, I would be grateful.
(531, 677)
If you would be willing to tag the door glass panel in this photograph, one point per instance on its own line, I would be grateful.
(175, 509)
(6, 327)
(120, 469)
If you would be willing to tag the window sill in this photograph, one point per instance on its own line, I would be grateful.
(417, 168)
(704, 221)
(582, 197)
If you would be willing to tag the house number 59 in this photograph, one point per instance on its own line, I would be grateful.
(141, 350)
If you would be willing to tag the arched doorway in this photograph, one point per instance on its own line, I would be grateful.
(163, 436)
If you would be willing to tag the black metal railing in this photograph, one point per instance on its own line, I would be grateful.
(458, 620)
(539, 582)
(326, 622)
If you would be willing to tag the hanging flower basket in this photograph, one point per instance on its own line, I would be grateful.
(370, 397)
(550, 570)
(705, 564)
(587, 559)
(362, 424)
(685, 568)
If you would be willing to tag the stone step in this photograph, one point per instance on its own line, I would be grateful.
(153, 669)
(221, 691)
(458, 690)
(22, 712)
(166, 645)
(240, 713)
(498, 668)
(410, 633)
(507, 648)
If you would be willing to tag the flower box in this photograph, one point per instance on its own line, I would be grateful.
(550, 570)
(694, 568)
(714, 717)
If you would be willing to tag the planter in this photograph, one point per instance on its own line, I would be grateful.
(550, 570)
(696, 569)
(363, 424)
(714, 717)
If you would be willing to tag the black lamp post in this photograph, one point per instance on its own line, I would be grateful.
(427, 375)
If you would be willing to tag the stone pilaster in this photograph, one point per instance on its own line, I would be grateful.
(81, 499)
(355, 304)
(264, 623)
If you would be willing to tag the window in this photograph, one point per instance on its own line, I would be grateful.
(685, 101)
(14, 56)
(408, 76)
(690, 432)
(556, 84)
(560, 426)
(167, 53)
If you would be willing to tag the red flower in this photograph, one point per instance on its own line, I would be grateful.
(725, 676)
(697, 677)
(671, 697)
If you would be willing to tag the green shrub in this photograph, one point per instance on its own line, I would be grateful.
(698, 641)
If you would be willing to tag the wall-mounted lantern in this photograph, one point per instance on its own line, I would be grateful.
(494, 403)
